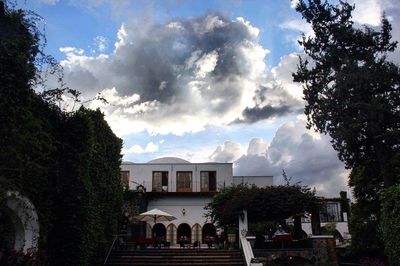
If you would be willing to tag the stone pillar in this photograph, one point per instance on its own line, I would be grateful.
(315, 222)
(324, 250)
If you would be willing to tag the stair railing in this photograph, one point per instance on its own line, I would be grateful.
(247, 250)
(111, 248)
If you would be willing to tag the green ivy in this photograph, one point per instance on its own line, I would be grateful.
(67, 164)
(389, 223)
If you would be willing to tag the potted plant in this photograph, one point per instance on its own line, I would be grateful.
(231, 233)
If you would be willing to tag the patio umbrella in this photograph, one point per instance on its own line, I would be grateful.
(154, 215)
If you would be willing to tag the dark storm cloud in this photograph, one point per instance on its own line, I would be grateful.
(197, 71)
(270, 102)
(252, 115)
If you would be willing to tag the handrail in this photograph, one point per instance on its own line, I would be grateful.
(247, 250)
(111, 248)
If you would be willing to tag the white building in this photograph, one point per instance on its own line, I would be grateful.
(183, 189)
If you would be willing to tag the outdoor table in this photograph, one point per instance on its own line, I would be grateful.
(282, 239)
(184, 243)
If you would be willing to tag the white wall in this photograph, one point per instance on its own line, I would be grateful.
(194, 209)
(142, 173)
(342, 227)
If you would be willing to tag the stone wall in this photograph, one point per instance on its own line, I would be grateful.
(322, 253)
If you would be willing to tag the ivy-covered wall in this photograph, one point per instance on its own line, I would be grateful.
(390, 225)
(67, 164)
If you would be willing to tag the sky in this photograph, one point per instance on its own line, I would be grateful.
(206, 81)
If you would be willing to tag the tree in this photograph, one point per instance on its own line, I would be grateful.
(273, 203)
(352, 94)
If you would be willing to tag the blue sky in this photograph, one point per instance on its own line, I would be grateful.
(201, 80)
(81, 23)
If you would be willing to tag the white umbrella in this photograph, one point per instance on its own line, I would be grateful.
(154, 215)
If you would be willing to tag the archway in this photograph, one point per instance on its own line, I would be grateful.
(20, 222)
(208, 231)
(184, 232)
(159, 231)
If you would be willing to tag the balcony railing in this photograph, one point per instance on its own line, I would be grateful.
(172, 187)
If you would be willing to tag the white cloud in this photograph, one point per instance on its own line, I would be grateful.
(71, 50)
(228, 152)
(114, 99)
(257, 146)
(101, 43)
(49, 2)
(293, 3)
(137, 149)
(303, 154)
(368, 11)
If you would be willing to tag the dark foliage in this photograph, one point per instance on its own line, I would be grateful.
(389, 224)
(352, 93)
(272, 203)
(67, 164)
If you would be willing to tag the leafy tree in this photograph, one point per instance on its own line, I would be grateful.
(272, 203)
(352, 94)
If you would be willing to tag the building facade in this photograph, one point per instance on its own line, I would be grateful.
(183, 189)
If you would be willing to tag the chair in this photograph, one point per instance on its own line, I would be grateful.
(196, 244)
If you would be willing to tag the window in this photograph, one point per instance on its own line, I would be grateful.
(208, 181)
(125, 179)
(160, 181)
(330, 213)
(184, 181)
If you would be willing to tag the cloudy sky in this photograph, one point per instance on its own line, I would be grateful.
(201, 80)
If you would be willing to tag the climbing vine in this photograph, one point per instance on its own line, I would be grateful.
(67, 164)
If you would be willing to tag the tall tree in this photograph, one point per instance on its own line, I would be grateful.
(352, 94)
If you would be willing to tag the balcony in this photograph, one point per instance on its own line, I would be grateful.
(171, 188)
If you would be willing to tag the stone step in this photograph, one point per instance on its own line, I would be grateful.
(180, 264)
(163, 261)
(176, 253)
(177, 250)
(178, 257)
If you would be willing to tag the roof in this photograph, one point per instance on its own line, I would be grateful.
(170, 160)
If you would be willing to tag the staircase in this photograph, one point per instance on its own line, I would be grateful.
(178, 257)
